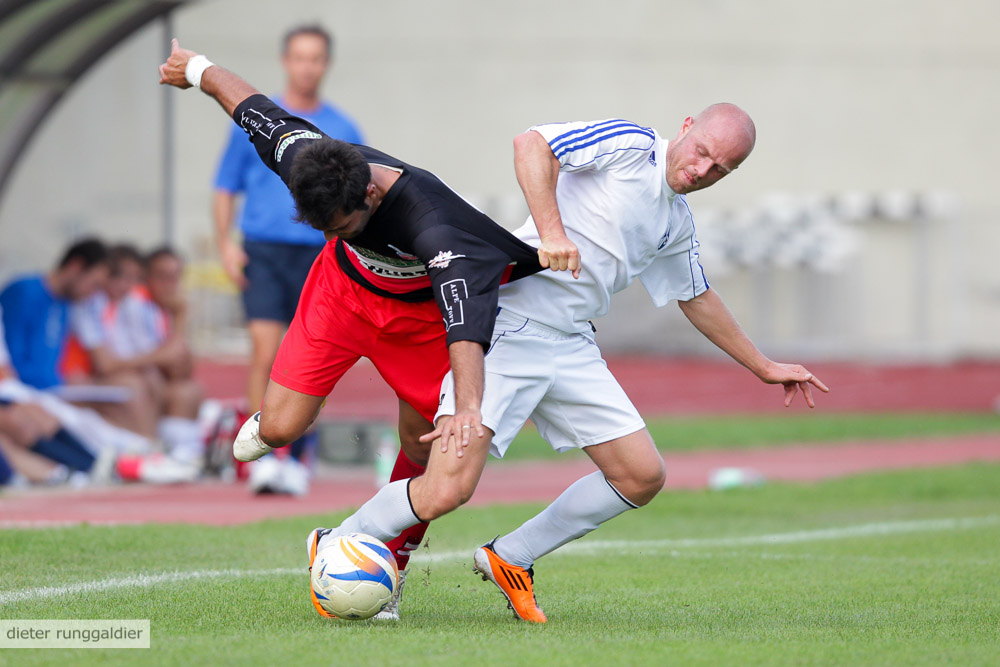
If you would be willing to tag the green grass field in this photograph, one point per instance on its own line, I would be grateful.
(744, 431)
(899, 568)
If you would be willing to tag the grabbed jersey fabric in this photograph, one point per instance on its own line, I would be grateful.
(423, 242)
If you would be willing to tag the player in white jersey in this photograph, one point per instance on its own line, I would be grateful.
(607, 202)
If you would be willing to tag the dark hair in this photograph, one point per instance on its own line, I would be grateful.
(123, 252)
(328, 177)
(159, 253)
(308, 29)
(90, 252)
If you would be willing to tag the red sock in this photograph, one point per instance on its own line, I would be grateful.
(410, 538)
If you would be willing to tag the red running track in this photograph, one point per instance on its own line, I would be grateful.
(225, 504)
(666, 386)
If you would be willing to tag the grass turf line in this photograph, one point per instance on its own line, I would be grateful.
(914, 598)
(747, 431)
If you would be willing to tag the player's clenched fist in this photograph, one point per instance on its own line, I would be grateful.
(173, 72)
(559, 254)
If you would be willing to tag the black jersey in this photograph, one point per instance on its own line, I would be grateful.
(423, 241)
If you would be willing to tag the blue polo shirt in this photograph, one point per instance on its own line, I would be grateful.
(36, 325)
(268, 209)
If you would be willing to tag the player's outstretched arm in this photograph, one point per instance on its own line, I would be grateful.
(712, 318)
(185, 68)
(537, 171)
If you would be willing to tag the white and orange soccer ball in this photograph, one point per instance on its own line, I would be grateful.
(354, 576)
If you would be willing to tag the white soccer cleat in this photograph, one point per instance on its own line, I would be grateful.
(391, 610)
(248, 446)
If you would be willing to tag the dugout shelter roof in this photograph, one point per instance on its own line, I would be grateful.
(48, 45)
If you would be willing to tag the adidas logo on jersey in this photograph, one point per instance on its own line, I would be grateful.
(652, 158)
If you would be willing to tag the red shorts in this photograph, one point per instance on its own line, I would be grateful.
(339, 321)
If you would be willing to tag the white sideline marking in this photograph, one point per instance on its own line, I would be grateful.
(578, 548)
(844, 532)
(134, 581)
(858, 530)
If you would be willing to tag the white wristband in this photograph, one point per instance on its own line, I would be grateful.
(195, 68)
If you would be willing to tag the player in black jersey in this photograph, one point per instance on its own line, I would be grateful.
(401, 241)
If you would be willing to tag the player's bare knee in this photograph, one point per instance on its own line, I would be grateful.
(155, 385)
(444, 499)
(658, 475)
(276, 432)
(651, 480)
(651, 484)
(140, 394)
(183, 398)
(131, 381)
(640, 485)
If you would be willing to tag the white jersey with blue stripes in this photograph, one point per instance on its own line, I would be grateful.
(617, 208)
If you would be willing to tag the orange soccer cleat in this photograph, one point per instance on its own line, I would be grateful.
(515, 582)
(312, 546)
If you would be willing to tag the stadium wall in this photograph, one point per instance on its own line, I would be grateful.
(853, 97)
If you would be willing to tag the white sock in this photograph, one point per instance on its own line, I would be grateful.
(586, 504)
(384, 517)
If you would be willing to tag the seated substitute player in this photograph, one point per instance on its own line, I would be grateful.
(103, 326)
(618, 190)
(403, 240)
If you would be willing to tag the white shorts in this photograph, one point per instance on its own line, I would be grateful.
(556, 379)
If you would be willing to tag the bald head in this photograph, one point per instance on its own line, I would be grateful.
(708, 147)
(731, 122)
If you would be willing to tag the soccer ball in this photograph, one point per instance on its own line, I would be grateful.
(354, 576)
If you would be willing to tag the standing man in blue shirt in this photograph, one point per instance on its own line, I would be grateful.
(277, 253)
